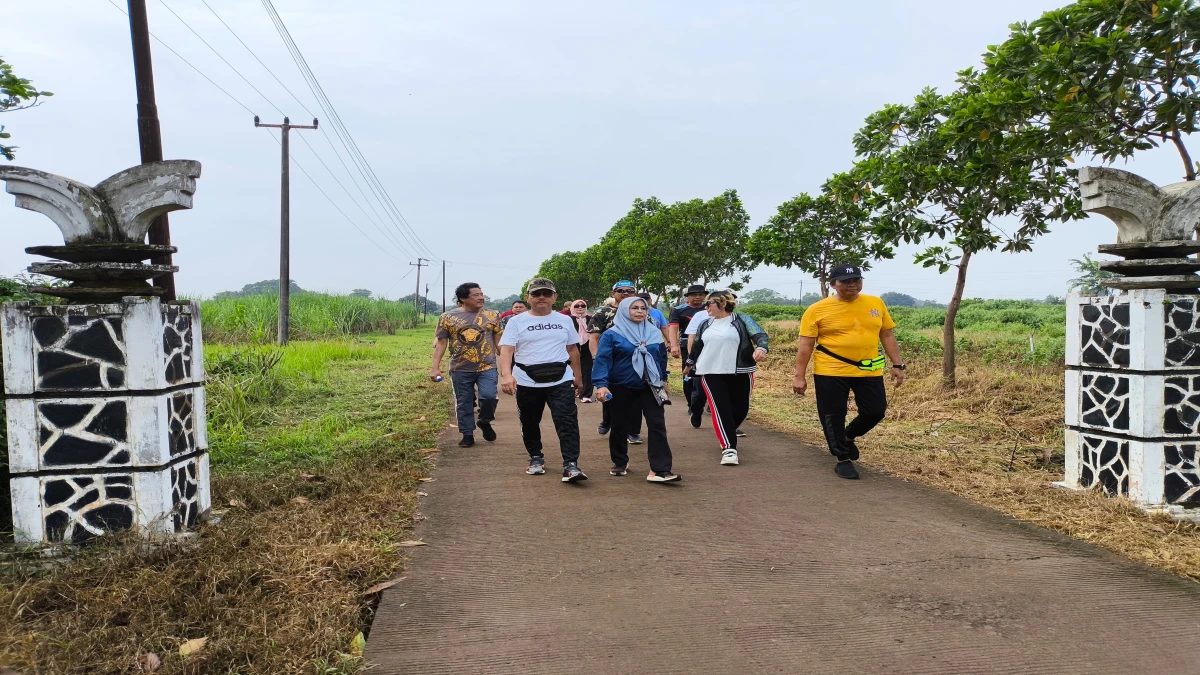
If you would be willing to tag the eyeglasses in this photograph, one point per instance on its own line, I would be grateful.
(541, 293)
(581, 306)
(624, 291)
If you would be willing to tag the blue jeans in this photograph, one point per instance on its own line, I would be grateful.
(465, 383)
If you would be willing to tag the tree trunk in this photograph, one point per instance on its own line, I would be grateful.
(1188, 167)
(824, 281)
(948, 353)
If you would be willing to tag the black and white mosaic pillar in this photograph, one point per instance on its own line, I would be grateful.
(1133, 396)
(106, 422)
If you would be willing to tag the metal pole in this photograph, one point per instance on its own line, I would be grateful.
(149, 133)
(417, 291)
(425, 305)
(285, 237)
(443, 287)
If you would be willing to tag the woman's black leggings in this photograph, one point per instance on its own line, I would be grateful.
(585, 364)
(729, 400)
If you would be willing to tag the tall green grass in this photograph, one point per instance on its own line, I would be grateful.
(1005, 316)
(314, 316)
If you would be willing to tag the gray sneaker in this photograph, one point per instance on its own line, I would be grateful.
(572, 473)
(537, 465)
(635, 439)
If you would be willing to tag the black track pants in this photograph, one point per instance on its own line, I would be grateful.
(833, 394)
(628, 406)
(532, 401)
(729, 400)
(687, 383)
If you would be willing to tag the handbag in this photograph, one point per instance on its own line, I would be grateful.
(544, 373)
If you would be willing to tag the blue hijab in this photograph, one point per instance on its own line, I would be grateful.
(641, 335)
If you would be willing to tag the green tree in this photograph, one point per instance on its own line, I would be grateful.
(360, 293)
(1108, 77)
(942, 168)
(894, 299)
(764, 296)
(16, 93)
(577, 274)
(813, 234)
(265, 287)
(1090, 277)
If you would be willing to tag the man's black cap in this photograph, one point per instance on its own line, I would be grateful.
(844, 272)
(696, 288)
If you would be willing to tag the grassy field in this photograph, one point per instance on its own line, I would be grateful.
(317, 453)
(996, 439)
(253, 319)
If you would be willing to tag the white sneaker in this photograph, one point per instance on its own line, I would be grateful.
(729, 457)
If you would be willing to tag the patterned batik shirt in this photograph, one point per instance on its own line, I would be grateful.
(472, 337)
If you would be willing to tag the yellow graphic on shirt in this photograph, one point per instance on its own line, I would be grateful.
(472, 338)
(849, 329)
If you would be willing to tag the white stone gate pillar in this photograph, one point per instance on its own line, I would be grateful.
(104, 396)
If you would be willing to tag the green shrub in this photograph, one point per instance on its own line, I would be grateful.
(762, 313)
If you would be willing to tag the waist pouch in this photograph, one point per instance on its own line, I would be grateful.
(866, 364)
(544, 373)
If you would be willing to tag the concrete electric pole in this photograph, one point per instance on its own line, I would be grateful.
(285, 242)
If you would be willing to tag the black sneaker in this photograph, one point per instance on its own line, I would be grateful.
(663, 477)
(467, 441)
(845, 469)
(696, 417)
(602, 429)
(489, 434)
(634, 439)
(739, 433)
(618, 470)
(572, 473)
(852, 447)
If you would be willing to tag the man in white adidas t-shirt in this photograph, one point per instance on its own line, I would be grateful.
(539, 362)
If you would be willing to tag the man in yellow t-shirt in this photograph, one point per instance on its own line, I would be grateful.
(845, 330)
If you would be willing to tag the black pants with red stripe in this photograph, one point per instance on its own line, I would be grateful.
(833, 395)
(729, 400)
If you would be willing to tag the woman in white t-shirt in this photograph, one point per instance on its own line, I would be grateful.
(724, 354)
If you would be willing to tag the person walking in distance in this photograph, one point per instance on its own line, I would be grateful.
(539, 363)
(580, 317)
(725, 353)
(470, 333)
(601, 321)
(677, 325)
(845, 330)
(631, 363)
(518, 307)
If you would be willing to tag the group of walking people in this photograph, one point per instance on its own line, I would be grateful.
(619, 355)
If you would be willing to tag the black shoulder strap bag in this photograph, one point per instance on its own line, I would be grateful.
(544, 373)
(865, 364)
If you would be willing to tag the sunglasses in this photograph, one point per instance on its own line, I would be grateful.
(581, 306)
(541, 294)
(624, 291)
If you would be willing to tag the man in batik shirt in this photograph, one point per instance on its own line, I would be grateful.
(471, 333)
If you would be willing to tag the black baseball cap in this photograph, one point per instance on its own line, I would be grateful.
(844, 272)
(696, 288)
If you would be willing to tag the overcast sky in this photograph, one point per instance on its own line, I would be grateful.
(504, 132)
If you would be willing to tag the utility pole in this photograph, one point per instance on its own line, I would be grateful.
(417, 293)
(149, 134)
(285, 237)
(444, 286)
(425, 305)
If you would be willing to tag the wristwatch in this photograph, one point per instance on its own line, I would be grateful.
(899, 366)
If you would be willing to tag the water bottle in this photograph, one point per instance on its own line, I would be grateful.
(439, 378)
(687, 378)
(608, 397)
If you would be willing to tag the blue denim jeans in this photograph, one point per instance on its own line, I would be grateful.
(465, 383)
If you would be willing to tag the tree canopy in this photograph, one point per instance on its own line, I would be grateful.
(16, 93)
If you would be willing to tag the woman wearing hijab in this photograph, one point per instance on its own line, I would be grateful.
(630, 361)
(725, 353)
(578, 312)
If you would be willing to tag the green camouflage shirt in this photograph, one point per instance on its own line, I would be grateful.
(602, 320)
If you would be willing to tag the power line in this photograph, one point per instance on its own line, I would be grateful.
(340, 128)
(249, 110)
(391, 238)
(336, 152)
(189, 64)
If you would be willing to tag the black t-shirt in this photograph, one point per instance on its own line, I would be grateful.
(681, 316)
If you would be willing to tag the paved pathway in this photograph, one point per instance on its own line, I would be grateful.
(774, 566)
